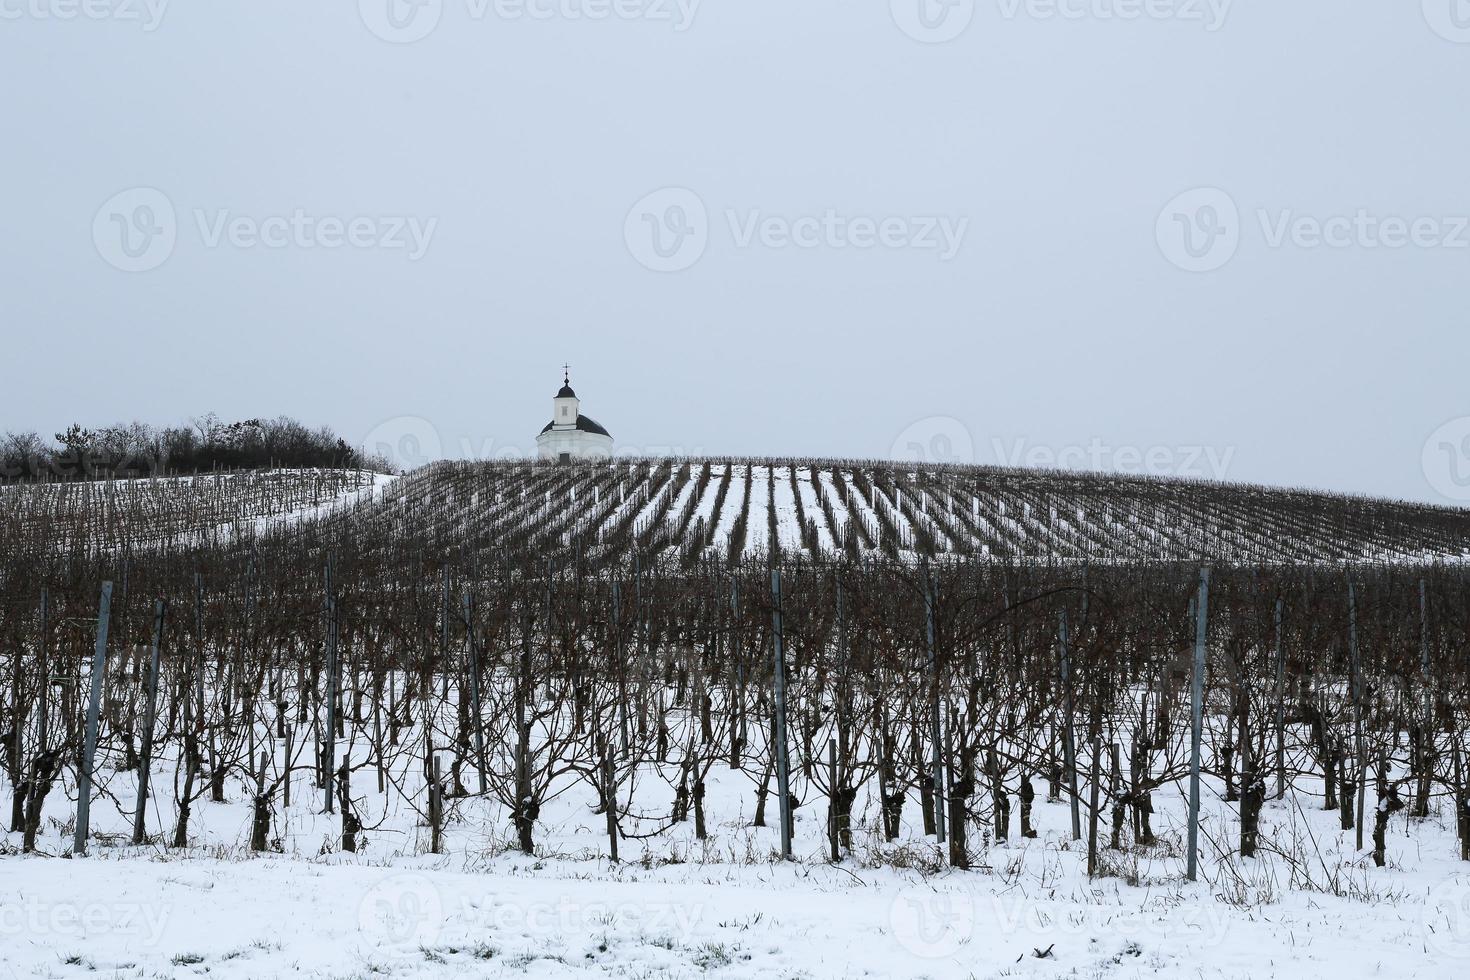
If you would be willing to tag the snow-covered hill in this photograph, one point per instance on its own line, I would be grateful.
(734, 510)
(182, 511)
(692, 511)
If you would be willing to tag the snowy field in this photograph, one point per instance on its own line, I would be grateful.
(677, 907)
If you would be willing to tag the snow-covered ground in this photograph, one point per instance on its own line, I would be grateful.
(277, 916)
(679, 907)
(372, 487)
(202, 509)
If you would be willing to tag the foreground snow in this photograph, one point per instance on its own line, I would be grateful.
(679, 910)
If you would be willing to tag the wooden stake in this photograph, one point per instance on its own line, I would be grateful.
(89, 749)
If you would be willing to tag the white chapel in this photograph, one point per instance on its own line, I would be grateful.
(570, 434)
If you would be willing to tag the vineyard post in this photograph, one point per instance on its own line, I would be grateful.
(43, 719)
(436, 803)
(737, 652)
(443, 637)
(1426, 729)
(17, 753)
(426, 679)
(286, 776)
(380, 764)
(783, 763)
(1095, 780)
(252, 601)
(260, 820)
(832, 793)
(622, 668)
(1197, 707)
(94, 705)
(1462, 801)
(192, 695)
(327, 765)
(844, 722)
(609, 796)
(1462, 798)
(150, 715)
(1280, 706)
(475, 706)
(936, 721)
(199, 665)
(641, 652)
(525, 688)
(1357, 690)
(121, 612)
(1069, 742)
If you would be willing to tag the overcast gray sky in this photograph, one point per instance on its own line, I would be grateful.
(1194, 236)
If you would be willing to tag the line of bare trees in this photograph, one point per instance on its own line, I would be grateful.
(208, 444)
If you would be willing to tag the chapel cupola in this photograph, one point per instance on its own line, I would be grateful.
(570, 434)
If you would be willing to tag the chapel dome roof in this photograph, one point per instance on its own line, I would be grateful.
(584, 424)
